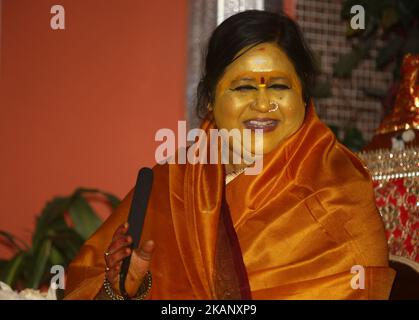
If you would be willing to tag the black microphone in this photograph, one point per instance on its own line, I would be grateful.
(136, 219)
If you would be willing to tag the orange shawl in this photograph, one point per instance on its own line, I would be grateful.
(301, 225)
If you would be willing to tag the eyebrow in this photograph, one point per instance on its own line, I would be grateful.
(244, 79)
(279, 78)
(253, 79)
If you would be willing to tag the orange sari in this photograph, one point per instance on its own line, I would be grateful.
(294, 231)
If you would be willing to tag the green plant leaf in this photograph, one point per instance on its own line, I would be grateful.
(113, 200)
(54, 209)
(51, 215)
(68, 243)
(371, 25)
(57, 258)
(85, 220)
(408, 10)
(85, 190)
(3, 263)
(71, 250)
(389, 51)
(375, 93)
(353, 139)
(322, 89)
(53, 241)
(335, 129)
(58, 225)
(389, 18)
(412, 42)
(41, 258)
(12, 270)
(348, 62)
(14, 241)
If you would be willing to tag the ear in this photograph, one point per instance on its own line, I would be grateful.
(209, 107)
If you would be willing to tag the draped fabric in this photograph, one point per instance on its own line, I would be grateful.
(294, 231)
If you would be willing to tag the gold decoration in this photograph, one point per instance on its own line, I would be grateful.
(386, 164)
(405, 114)
(395, 177)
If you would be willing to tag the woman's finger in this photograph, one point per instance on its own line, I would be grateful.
(141, 259)
(122, 236)
(112, 274)
(121, 230)
(122, 241)
(118, 256)
(140, 264)
(115, 247)
(146, 250)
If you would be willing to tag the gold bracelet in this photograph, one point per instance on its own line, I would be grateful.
(143, 291)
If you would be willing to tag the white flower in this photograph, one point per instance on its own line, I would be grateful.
(7, 293)
(408, 135)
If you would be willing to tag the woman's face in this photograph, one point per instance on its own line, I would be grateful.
(260, 90)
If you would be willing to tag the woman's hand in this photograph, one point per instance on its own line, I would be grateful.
(140, 260)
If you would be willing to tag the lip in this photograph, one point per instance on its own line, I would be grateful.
(265, 124)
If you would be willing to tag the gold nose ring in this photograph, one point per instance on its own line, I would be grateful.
(275, 106)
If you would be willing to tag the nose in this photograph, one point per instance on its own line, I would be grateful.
(261, 102)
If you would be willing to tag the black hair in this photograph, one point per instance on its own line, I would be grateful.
(250, 28)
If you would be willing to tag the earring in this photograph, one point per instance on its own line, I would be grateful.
(275, 106)
(209, 108)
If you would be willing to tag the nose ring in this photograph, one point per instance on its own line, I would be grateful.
(275, 106)
(272, 104)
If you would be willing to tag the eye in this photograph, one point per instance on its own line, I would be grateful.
(279, 87)
(244, 88)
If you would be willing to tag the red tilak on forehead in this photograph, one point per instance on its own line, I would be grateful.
(262, 80)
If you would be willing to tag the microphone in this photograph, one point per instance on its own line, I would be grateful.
(136, 219)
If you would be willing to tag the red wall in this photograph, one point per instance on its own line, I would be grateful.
(80, 106)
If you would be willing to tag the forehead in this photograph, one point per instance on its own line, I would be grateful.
(265, 59)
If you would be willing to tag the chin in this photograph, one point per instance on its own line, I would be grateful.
(265, 150)
(270, 145)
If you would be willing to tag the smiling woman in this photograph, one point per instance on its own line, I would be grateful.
(296, 230)
(245, 100)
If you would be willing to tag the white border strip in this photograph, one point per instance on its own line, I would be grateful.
(260, 5)
(242, 6)
(220, 11)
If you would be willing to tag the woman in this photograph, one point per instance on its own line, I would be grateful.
(296, 230)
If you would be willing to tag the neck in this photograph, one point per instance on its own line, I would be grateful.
(234, 167)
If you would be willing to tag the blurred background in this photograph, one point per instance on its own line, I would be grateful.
(80, 107)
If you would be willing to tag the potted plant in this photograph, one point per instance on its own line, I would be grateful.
(63, 226)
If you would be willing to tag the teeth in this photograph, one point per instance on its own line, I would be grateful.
(262, 123)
